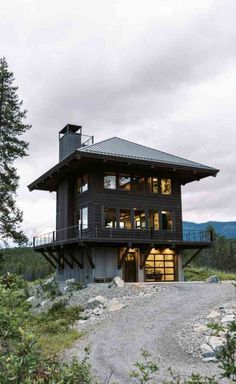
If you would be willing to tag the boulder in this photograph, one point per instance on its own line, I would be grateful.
(201, 329)
(118, 282)
(95, 302)
(216, 343)
(115, 305)
(227, 319)
(213, 279)
(207, 353)
(213, 315)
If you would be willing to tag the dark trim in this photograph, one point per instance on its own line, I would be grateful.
(48, 259)
(144, 255)
(61, 254)
(75, 260)
(122, 258)
(88, 251)
(55, 258)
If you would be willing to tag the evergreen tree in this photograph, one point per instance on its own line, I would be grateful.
(12, 126)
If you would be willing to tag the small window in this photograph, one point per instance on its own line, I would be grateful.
(125, 218)
(139, 218)
(138, 183)
(110, 181)
(153, 220)
(152, 184)
(124, 182)
(82, 184)
(167, 221)
(110, 217)
(83, 218)
(166, 186)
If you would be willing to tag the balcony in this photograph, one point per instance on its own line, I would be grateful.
(117, 235)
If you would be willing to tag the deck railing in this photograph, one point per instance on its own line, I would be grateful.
(82, 232)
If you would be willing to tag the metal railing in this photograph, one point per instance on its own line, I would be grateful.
(78, 232)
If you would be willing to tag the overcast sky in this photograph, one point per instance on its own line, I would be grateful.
(160, 73)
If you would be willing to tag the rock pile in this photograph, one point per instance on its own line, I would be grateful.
(205, 337)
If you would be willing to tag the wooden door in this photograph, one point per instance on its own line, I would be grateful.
(130, 268)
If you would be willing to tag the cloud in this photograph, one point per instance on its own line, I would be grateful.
(161, 73)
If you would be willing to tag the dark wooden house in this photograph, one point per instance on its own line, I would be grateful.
(118, 210)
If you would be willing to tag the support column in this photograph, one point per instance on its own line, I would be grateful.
(180, 267)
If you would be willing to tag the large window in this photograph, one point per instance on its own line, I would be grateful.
(83, 218)
(110, 181)
(82, 184)
(153, 219)
(125, 218)
(160, 266)
(167, 220)
(166, 186)
(124, 182)
(152, 184)
(110, 217)
(138, 183)
(139, 218)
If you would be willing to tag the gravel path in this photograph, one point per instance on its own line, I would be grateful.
(155, 324)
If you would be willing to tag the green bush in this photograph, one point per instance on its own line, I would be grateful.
(202, 273)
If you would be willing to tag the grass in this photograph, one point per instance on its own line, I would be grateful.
(202, 273)
(54, 329)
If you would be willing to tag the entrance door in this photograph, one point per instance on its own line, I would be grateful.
(130, 269)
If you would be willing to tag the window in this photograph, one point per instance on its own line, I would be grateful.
(152, 184)
(153, 220)
(82, 184)
(110, 181)
(138, 183)
(83, 218)
(125, 218)
(110, 217)
(124, 182)
(167, 221)
(139, 219)
(166, 186)
(160, 267)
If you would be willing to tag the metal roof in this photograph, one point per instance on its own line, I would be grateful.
(116, 147)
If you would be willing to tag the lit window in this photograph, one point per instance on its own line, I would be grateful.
(82, 184)
(110, 181)
(138, 183)
(152, 184)
(125, 218)
(110, 217)
(158, 267)
(139, 219)
(166, 186)
(124, 182)
(153, 220)
(167, 221)
(83, 218)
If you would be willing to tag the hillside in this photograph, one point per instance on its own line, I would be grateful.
(227, 228)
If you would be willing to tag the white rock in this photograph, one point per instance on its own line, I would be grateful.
(118, 282)
(31, 299)
(207, 351)
(201, 329)
(216, 343)
(44, 302)
(227, 319)
(95, 302)
(213, 315)
(115, 305)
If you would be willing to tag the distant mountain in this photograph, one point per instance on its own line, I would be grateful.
(227, 228)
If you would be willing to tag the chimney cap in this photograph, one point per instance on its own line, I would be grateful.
(70, 128)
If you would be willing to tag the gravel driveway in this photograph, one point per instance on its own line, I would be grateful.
(154, 325)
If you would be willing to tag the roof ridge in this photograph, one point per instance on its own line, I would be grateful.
(98, 142)
(158, 150)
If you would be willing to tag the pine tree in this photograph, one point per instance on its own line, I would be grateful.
(12, 126)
